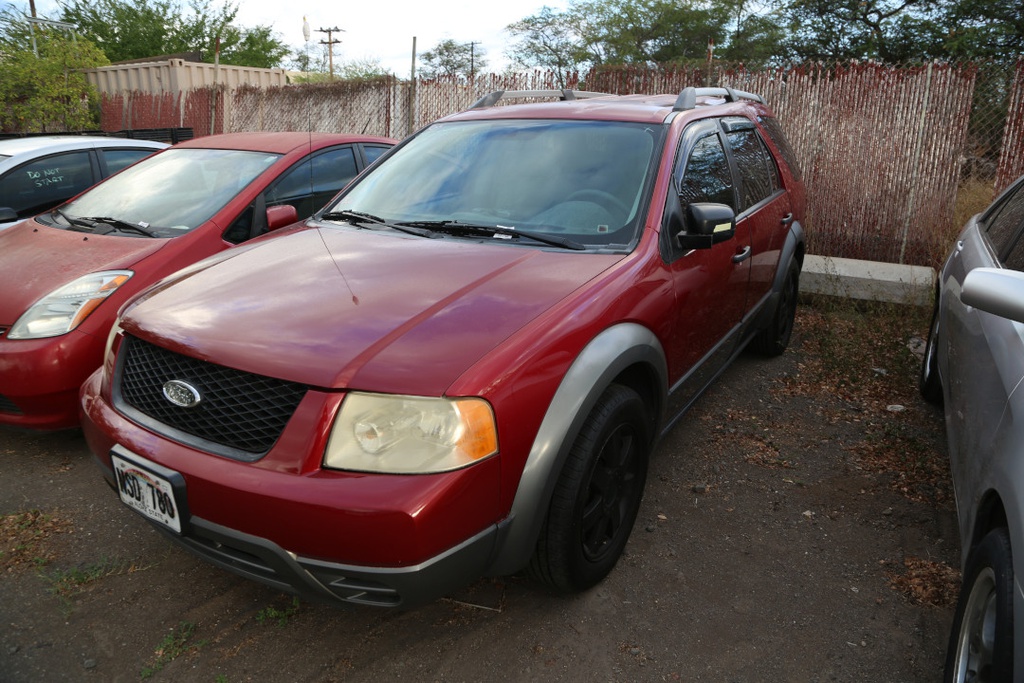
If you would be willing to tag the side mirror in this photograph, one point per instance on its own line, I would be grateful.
(706, 224)
(280, 216)
(995, 290)
(7, 214)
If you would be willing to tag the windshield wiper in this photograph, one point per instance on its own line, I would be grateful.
(357, 217)
(450, 226)
(116, 223)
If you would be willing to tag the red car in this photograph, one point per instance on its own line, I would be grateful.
(460, 366)
(65, 273)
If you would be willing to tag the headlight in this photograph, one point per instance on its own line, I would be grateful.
(410, 434)
(63, 309)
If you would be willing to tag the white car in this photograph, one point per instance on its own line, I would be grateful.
(38, 173)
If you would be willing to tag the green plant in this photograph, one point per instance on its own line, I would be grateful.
(173, 645)
(281, 616)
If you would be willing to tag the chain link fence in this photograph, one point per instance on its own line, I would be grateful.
(896, 158)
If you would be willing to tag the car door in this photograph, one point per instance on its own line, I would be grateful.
(763, 208)
(709, 285)
(981, 355)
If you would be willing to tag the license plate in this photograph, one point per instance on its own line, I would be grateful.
(145, 491)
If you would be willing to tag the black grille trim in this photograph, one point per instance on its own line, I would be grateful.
(8, 406)
(240, 415)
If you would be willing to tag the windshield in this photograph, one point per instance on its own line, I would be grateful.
(580, 180)
(174, 191)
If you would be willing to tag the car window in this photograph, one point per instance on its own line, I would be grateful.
(44, 183)
(759, 178)
(118, 159)
(706, 176)
(1005, 219)
(373, 152)
(309, 184)
(774, 130)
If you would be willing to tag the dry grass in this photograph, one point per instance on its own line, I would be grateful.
(25, 539)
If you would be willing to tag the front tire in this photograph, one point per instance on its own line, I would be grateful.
(597, 496)
(981, 642)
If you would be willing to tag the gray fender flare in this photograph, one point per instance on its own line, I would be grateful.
(601, 361)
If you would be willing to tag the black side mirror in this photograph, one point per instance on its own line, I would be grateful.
(706, 224)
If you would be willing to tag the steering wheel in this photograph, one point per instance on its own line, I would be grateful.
(605, 199)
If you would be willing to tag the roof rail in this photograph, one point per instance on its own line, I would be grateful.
(563, 94)
(688, 97)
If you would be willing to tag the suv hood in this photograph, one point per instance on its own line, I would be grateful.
(37, 259)
(340, 308)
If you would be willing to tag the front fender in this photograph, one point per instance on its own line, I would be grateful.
(604, 359)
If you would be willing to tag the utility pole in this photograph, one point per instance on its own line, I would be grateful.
(330, 43)
(472, 61)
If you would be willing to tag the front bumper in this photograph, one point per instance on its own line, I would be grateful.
(40, 379)
(387, 540)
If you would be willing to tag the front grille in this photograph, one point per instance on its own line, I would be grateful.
(237, 409)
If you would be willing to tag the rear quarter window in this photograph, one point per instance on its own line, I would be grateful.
(774, 129)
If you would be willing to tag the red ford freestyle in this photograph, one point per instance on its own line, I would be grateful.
(459, 366)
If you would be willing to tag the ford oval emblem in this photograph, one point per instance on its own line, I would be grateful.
(181, 393)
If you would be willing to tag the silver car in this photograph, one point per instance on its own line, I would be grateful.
(974, 366)
(38, 173)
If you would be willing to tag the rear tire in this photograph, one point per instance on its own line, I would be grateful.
(597, 496)
(773, 339)
(981, 641)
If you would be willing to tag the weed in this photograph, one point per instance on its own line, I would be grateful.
(174, 644)
(281, 616)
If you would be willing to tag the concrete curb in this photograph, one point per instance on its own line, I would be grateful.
(868, 280)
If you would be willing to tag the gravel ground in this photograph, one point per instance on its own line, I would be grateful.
(797, 526)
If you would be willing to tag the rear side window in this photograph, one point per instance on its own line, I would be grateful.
(759, 179)
(1005, 219)
(774, 130)
(44, 183)
(707, 177)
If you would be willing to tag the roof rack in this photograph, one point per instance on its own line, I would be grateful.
(688, 97)
(563, 94)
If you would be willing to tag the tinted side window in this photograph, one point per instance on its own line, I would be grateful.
(1005, 220)
(774, 130)
(116, 159)
(44, 183)
(759, 179)
(308, 185)
(707, 177)
(373, 152)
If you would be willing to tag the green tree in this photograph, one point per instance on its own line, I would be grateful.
(546, 41)
(450, 58)
(136, 29)
(48, 93)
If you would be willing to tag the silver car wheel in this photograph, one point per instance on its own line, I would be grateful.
(976, 641)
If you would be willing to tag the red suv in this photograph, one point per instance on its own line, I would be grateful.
(459, 367)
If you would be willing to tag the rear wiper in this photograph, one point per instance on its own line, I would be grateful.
(357, 217)
(457, 226)
(115, 223)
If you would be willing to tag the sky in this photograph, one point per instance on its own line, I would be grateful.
(382, 31)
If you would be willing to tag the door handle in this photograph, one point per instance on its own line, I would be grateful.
(741, 256)
(787, 219)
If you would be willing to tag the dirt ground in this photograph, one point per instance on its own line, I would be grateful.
(797, 526)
